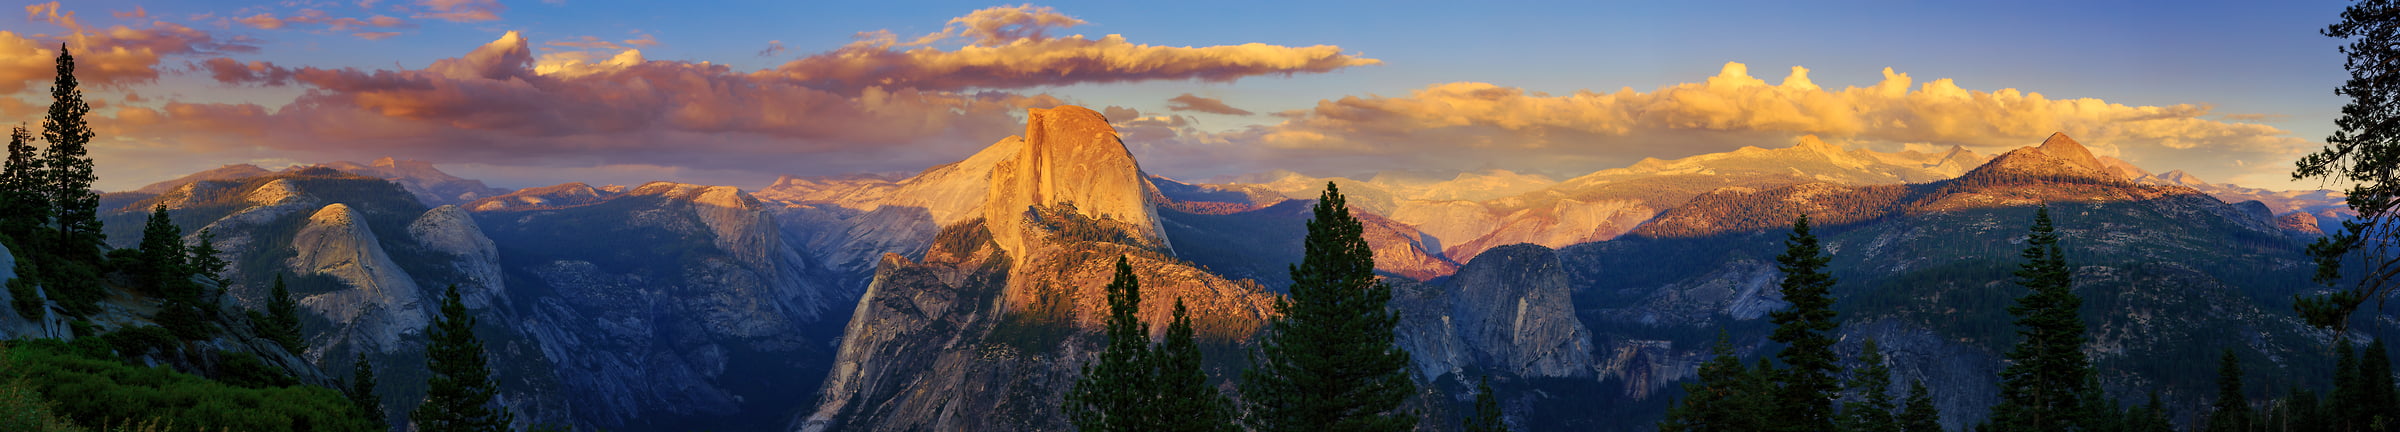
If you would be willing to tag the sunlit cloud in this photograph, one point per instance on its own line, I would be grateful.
(461, 10)
(1011, 47)
(1188, 102)
(111, 56)
(1465, 124)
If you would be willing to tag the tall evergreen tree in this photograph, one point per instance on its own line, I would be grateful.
(282, 320)
(208, 262)
(458, 397)
(1327, 361)
(1116, 392)
(1919, 414)
(1186, 402)
(162, 269)
(2232, 411)
(2347, 405)
(1487, 417)
(1727, 397)
(2375, 371)
(24, 206)
(67, 165)
(2048, 378)
(362, 389)
(1871, 386)
(2150, 417)
(1806, 386)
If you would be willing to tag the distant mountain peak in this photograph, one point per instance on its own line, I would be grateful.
(2065, 148)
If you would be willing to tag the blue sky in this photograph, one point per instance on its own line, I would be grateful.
(2256, 58)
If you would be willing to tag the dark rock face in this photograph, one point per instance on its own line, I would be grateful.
(1511, 311)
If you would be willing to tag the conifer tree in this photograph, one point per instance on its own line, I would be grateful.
(282, 320)
(2375, 371)
(1871, 385)
(1919, 414)
(208, 262)
(1487, 417)
(2232, 411)
(1727, 397)
(1116, 393)
(67, 165)
(2048, 379)
(24, 207)
(2347, 404)
(362, 389)
(162, 266)
(1327, 361)
(458, 396)
(2150, 417)
(1806, 387)
(1186, 402)
(2364, 154)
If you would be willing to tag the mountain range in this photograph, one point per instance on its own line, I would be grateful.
(966, 296)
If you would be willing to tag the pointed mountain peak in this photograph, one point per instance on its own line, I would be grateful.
(386, 162)
(1813, 144)
(2065, 148)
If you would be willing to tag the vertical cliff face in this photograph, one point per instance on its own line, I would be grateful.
(989, 329)
(1070, 157)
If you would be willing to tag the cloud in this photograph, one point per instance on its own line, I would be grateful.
(1188, 102)
(461, 10)
(1010, 48)
(589, 101)
(1465, 124)
(774, 48)
(112, 56)
(269, 21)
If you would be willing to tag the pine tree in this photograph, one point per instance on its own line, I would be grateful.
(1327, 362)
(162, 268)
(2048, 378)
(458, 397)
(67, 166)
(362, 390)
(1487, 417)
(1806, 387)
(2232, 411)
(24, 207)
(208, 262)
(282, 320)
(1186, 402)
(1919, 414)
(1871, 384)
(2150, 417)
(2365, 154)
(1727, 397)
(2347, 404)
(2375, 371)
(1116, 392)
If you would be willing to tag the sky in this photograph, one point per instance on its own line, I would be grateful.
(535, 93)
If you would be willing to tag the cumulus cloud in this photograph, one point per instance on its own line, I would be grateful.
(1459, 125)
(589, 101)
(1188, 102)
(111, 56)
(1010, 47)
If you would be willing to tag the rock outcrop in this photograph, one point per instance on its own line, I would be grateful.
(382, 301)
(1070, 157)
(1510, 312)
(450, 230)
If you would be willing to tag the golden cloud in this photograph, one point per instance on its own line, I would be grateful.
(1476, 123)
(1188, 102)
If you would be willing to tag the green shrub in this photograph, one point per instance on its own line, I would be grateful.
(137, 341)
(104, 390)
(244, 369)
(26, 298)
